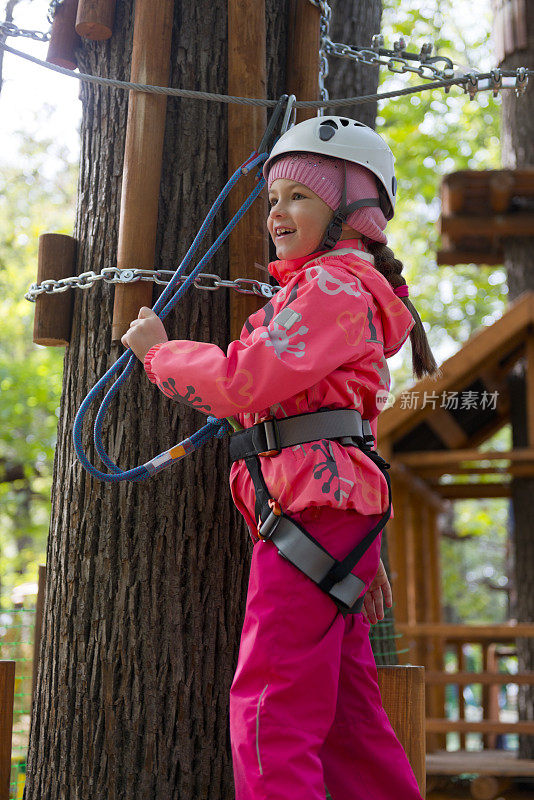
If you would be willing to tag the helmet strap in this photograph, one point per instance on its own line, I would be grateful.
(334, 229)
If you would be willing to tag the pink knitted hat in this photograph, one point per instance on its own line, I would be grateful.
(324, 176)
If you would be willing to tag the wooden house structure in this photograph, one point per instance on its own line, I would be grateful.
(434, 437)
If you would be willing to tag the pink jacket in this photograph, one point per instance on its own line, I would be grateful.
(321, 342)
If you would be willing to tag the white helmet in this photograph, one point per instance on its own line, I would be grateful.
(341, 137)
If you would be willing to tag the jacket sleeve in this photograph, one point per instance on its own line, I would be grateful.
(319, 330)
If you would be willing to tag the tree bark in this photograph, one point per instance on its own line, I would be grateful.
(354, 23)
(518, 152)
(145, 582)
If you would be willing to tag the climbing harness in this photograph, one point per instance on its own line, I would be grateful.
(267, 439)
(215, 427)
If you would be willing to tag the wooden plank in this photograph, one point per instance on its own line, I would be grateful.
(247, 77)
(486, 347)
(437, 677)
(478, 491)
(447, 429)
(435, 458)
(485, 762)
(403, 697)
(466, 726)
(492, 226)
(143, 153)
(303, 40)
(451, 256)
(7, 693)
(471, 633)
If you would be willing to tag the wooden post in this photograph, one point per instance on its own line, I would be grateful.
(7, 694)
(303, 53)
(39, 608)
(53, 312)
(94, 19)
(403, 698)
(247, 77)
(63, 37)
(142, 157)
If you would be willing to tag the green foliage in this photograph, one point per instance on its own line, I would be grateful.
(36, 195)
(431, 135)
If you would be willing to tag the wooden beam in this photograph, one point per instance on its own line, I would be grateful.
(473, 491)
(247, 77)
(447, 429)
(478, 762)
(412, 482)
(490, 227)
(490, 256)
(471, 633)
(143, 154)
(486, 347)
(303, 40)
(435, 458)
(464, 726)
(436, 677)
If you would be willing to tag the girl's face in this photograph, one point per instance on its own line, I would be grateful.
(297, 219)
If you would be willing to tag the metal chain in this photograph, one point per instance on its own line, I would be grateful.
(12, 30)
(398, 61)
(207, 281)
(9, 29)
(52, 8)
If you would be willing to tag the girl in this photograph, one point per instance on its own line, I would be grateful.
(307, 380)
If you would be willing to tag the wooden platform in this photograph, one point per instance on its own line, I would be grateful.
(486, 762)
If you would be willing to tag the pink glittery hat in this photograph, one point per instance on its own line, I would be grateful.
(325, 176)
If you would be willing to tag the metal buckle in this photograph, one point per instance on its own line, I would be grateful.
(267, 528)
(272, 437)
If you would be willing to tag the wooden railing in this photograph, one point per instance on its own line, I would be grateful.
(487, 636)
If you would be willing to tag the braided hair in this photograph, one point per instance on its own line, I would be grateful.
(423, 361)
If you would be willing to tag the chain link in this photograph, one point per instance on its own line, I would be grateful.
(207, 281)
(9, 29)
(52, 8)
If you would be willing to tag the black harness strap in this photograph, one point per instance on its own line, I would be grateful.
(294, 542)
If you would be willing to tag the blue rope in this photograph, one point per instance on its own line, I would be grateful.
(165, 303)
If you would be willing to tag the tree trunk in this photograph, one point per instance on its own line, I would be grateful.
(354, 23)
(518, 152)
(145, 582)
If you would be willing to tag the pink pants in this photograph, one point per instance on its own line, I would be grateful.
(305, 708)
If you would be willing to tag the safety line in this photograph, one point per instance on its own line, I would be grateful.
(343, 102)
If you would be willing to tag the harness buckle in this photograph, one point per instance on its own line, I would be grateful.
(266, 529)
(272, 437)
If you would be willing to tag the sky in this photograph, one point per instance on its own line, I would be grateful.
(34, 98)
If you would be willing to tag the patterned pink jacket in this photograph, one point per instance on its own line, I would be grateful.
(321, 342)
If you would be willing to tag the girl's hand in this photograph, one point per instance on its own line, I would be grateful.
(144, 332)
(379, 590)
